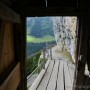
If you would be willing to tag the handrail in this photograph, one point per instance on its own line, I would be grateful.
(35, 70)
(44, 54)
(48, 47)
(33, 54)
(41, 64)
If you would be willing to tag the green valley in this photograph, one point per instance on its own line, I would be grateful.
(47, 38)
(39, 32)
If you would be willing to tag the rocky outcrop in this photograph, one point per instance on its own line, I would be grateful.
(65, 33)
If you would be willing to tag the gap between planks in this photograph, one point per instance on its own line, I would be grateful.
(45, 80)
(60, 79)
(68, 82)
(53, 79)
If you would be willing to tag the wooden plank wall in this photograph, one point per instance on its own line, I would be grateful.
(13, 80)
(7, 48)
(9, 67)
(10, 61)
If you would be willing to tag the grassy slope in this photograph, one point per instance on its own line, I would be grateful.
(47, 38)
(66, 54)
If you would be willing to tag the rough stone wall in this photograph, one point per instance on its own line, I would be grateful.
(65, 33)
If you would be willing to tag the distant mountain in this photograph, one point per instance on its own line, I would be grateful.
(39, 32)
(39, 26)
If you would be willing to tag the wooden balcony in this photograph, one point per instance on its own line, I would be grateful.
(57, 75)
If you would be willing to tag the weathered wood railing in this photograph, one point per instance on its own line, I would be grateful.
(46, 54)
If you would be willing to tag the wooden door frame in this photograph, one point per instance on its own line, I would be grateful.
(80, 13)
(53, 12)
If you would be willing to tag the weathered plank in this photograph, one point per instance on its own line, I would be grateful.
(19, 50)
(46, 77)
(71, 68)
(12, 80)
(60, 80)
(47, 64)
(53, 79)
(8, 47)
(37, 80)
(68, 83)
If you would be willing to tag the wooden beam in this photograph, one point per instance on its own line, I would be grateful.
(8, 14)
(20, 50)
(13, 80)
(50, 11)
(6, 50)
(2, 27)
(5, 74)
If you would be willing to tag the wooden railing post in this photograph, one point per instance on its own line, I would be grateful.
(44, 59)
(51, 53)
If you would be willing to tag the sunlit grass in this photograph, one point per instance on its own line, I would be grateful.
(47, 38)
(66, 54)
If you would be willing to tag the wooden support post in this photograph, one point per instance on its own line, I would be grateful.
(44, 53)
(44, 59)
(51, 53)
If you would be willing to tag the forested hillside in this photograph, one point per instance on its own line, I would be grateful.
(39, 26)
(39, 32)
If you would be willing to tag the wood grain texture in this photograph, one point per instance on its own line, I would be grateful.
(49, 11)
(68, 83)
(8, 47)
(60, 80)
(46, 77)
(71, 69)
(12, 80)
(60, 76)
(53, 79)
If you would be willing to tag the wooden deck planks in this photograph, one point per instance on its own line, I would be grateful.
(71, 68)
(46, 77)
(59, 76)
(60, 80)
(53, 79)
(68, 83)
